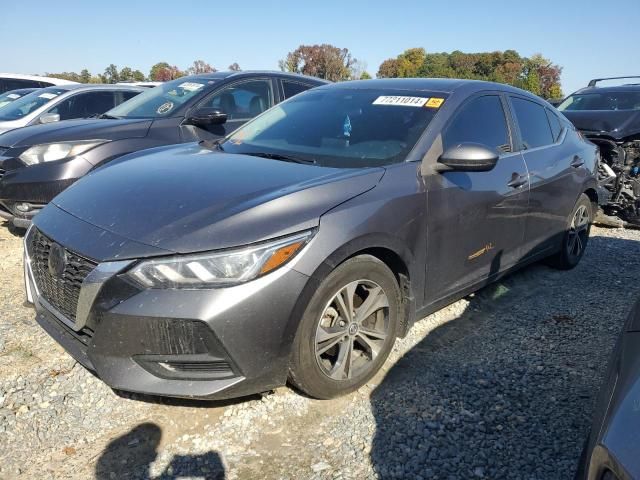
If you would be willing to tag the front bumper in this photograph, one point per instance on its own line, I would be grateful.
(24, 191)
(208, 344)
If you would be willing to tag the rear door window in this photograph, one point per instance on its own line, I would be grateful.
(556, 126)
(535, 130)
(481, 120)
(85, 105)
(293, 88)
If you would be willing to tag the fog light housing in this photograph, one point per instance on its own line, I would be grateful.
(23, 207)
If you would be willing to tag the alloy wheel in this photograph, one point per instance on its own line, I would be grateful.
(578, 232)
(352, 330)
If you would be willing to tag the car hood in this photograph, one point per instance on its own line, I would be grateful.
(614, 123)
(186, 198)
(86, 129)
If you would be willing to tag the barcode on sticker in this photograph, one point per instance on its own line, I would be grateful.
(401, 101)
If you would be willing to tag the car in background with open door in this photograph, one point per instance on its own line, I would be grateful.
(41, 161)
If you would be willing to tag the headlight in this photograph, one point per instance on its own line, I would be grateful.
(49, 152)
(230, 267)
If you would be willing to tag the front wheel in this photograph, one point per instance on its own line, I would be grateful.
(347, 330)
(575, 239)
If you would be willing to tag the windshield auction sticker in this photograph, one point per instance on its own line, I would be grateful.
(434, 102)
(48, 96)
(401, 101)
(164, 108)
(191, 86)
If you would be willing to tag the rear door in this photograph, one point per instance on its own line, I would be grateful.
(548, 158)
(475, 220)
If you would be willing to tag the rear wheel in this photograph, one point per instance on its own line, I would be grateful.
(576, 237)
(347, 330)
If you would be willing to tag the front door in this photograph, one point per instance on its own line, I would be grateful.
(241, 101)
(475, 220)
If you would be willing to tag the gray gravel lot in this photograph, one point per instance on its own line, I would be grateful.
(499, 385)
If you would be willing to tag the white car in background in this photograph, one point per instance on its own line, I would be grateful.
(15, 81)
(64, 102)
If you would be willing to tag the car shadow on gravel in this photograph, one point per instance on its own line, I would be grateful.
(131, 456)
(506, 390)
(15, 231)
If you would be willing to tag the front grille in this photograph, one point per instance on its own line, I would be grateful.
(62, 291)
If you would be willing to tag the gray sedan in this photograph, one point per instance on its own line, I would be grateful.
(299, 247)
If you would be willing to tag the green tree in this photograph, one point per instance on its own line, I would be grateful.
(365, 76)
(125, 75)
(410, 61)
(85, 76)
(111, 74)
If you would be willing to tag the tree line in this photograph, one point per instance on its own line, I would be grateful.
(160, 72)
(536, 74)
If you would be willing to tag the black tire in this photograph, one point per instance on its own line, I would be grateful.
(312, 373)
(576, 237)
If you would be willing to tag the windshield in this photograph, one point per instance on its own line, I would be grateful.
(30, 103)
(11, 96)
(601, 101)
(339, 127)
(161, 101)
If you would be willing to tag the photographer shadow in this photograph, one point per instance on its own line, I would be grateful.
(131, 455)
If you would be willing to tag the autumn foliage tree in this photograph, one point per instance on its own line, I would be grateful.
(323, 61)
(200, 66)
(537, 74)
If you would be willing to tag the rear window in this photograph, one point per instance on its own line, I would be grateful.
(293, 88)
(601, 101)
(556, 126)
(534, 125)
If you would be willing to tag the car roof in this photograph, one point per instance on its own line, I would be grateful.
(89, 87)
(37, 78)
(443, 85)
(631, 87)
(248, 73)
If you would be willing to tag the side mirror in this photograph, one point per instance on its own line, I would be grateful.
(469, 157)
(49, 118)
(207, 116)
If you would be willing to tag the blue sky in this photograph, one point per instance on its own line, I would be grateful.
(40, 36)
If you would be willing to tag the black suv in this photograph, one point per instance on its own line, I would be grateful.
(38, 162)
(609, 116)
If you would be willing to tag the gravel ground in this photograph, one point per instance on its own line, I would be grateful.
(499, 385)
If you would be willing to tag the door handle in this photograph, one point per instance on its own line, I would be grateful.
(577, 161)
(518, 181)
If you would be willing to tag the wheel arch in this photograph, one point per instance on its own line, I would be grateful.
(389, 250)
